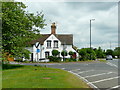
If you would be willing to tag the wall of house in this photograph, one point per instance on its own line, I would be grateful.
(33, 49)
(52, 38)
(68, 48)
(60, 47)
(43, 48)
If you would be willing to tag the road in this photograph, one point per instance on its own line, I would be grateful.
(99, 75)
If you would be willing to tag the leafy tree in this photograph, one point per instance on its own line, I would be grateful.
(99, 53)
(109, 52)
(82, 52)
(71, 53)
(55, 52)
(64, 53)
(117, 52)
(19, 27)
(93, 55)
(87, 53)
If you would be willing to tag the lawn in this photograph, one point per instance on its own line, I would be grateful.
(18, 76)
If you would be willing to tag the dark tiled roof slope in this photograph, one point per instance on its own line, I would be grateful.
(41, 39)
(64, 38)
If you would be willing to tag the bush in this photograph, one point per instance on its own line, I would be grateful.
(69, 59)
(54, 59)
(85, 54)
(55, 52)
(71, 53)
(64, 53)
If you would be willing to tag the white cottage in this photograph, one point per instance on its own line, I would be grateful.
(43, 46)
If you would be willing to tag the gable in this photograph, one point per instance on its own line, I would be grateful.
(52, 38)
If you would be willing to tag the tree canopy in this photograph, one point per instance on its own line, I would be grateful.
(85, 54)
(99, 52)
(117, 52)
(109, 52)
(19, 27)
(55, 52)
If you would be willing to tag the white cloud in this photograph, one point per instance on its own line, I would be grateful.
(74, 18)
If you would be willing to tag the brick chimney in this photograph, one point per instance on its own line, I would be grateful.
(53, 28)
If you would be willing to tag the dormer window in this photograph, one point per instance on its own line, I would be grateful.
(55, 44)
(48, 43)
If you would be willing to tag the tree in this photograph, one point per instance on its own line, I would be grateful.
(19, 27)
(55, 52)
(82, 52)
(99, 53)
(64, 53)
(86, 54)
(71, 53)
(109, 52)
(117, 52)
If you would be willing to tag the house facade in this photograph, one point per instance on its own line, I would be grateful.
(43, 46)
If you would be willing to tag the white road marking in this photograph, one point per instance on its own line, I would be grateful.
(113, 87)
(85, 64)
(63, 68)
(105, 79)
(85, 71)
(92, 85)
(98, 74)
(75, 70)
(111, 64)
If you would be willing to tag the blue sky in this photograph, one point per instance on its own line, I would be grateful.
(74, 18)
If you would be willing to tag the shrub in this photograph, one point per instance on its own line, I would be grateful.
(55, 52)
(64, 53)
(71, 53)
(85, 54)
(54, 59)
(69, 59)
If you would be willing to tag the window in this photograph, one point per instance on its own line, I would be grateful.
(46, 54)
(48, 44)
(55, 44)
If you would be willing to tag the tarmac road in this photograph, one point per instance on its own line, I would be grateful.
(99, 75)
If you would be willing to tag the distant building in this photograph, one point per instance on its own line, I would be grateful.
(43, 46)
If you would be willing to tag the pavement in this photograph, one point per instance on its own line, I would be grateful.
(98, 75)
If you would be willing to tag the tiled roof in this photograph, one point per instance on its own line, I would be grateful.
(64, 38)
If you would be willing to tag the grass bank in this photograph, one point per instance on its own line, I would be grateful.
(18, 76)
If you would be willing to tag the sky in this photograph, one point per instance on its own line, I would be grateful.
(74, 18)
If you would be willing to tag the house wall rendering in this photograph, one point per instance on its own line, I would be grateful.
(43, 48)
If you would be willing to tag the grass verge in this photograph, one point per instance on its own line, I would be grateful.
(102, 60)
(19, 76)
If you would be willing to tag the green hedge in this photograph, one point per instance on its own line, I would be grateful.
(54, 59)
(70, 59)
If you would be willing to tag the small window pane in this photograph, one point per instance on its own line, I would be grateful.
(56, 44)
(49, 44)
